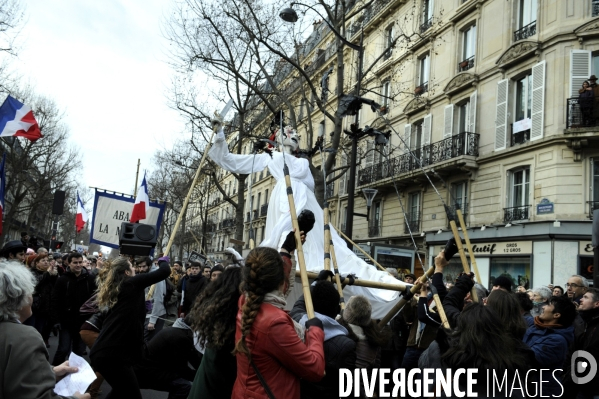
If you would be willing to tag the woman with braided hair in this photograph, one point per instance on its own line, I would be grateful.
(273, 353)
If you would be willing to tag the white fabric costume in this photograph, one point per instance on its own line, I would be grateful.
(278, 220)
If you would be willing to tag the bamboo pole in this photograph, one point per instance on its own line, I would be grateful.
(329, 253)
(458, 241)
(440, 308)
(468, 245)
(400, 304)
(366, 283)
(361, 250)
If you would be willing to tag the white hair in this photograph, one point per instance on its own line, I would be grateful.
(544, 292)
(585, 282)
(16, 286)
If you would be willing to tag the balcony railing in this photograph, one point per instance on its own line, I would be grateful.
(526, 31)
(413, 222)
(593, 205)
(520, 137)
(461, 144)
(374, 230)
(369, 13)
(228, 222)
(426, 25)
(595, 8)
(580, 113)
(423, 88)
(515, 213)
(468, 63)
(264, 210)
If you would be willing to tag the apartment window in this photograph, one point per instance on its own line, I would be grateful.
(385, 94)
(527, 19)
(416, 137)
(468, 48)
(523, 111)
(424, 64)
(321, 127)
(518, 200)
(459, 196)
(413, 216)
(594, 202)
(343, 220)
(374, 230)
(388, 42)
(258, 203)
(427, 15)
(463, 116)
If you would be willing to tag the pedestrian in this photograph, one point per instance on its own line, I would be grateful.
(525, 308)
(213, 320)
(558, 291)
(586, 101)
(190, 287)
(540, 299)
(502, 283)
(595, 87)
(71, 290)
(267, 340)
(206, 271)
(156, 317)
(120, 343)
(576, 287)
(42, 296)
(216, 271)
(14, 250)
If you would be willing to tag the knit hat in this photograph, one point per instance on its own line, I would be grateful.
(357, 311)
(504, 282)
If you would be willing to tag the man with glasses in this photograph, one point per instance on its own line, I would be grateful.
(576, 287)
(71, 290)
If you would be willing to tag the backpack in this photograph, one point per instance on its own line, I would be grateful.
(170, 290)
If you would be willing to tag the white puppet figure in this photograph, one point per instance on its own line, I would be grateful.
(278, 220)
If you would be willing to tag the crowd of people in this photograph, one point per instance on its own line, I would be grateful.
(222, 331)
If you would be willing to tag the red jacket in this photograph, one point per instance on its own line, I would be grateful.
(279, 354)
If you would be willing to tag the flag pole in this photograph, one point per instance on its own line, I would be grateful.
(136, 178)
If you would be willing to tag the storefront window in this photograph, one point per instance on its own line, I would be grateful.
(586, 267)
(515, 268)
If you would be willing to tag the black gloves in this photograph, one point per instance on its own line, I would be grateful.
(315, 322)
(289, 243)
(350, 279)
(465, 282)
(324, 275)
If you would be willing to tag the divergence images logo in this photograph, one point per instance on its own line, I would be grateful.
(583, 362)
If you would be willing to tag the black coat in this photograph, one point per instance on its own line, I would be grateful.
(339, 352)
(69, 293)
(192, 286)
(586, 339)
(42, 296)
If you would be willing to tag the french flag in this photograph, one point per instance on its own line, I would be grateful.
(16, 119)
(81, 218)
(142, 203)
(2, 188)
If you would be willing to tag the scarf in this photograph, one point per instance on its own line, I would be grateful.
(539, 324)
(277, 299)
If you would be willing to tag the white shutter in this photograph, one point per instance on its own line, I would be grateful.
(407, 136)
(448, 121)
(343, 178)
(369, 153)
(501, 116)
(538, 101)
(426, 130)
(471, 127)
(580, 69)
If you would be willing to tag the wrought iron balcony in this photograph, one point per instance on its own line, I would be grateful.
(423, 88)
(595, 8)
(230, 222)
(452, 147)
(374, 230)
(579, 113)
(468, 63)
(413, 222)
(526, 31)
(515, 213)
(593, 205)
(426, 25)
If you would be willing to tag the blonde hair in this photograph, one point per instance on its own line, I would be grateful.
(109, 281)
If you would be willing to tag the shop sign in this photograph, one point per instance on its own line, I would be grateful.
(585, 248)
(498, 248)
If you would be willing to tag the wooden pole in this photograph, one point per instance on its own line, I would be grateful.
(329, 253)
(136, 177)
(361, 250)
(366, 283)
(465, 265)
(400, 304)
(186, 202)
(468, 245)
(440, 308)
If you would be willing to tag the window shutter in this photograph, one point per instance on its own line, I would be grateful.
(501, 116)
(426, 130)
(472, 113)
(538, 101)
(369, 153)
(407, 136)
(448, 121)
(580, 69)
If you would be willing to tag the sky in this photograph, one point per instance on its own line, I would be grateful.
(105, 64)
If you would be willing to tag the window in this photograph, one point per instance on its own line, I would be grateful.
(423, 73)
(385, 94)
(459, 196)
(518, 195)
(343, 220)
(388, 42)
(374, 230)
(413, 216)
(427, 15)
(594, 202)
(468, 48)
(321, 127)
(463, 117)
(523, 111)
(527, 20)
(416, 138)
(258, 203)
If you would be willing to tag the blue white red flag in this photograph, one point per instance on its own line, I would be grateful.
(16, 119)
(142, 203)
(81, 217)
(2, 188)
